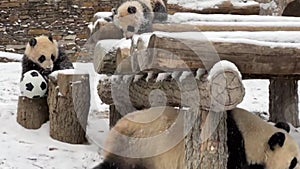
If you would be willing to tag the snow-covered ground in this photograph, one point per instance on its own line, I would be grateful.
(34, 149)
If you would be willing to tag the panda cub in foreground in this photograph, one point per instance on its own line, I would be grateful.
(137, 16)
(43, 54)
(252, 143)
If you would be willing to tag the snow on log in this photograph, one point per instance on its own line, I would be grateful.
(181, 51)
(215, 6)
(69, 103)
(223, 91)
(106, 53)
(32, 113)
(226, 26)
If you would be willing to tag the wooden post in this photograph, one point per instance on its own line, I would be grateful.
(114, 115)
(32, 113)
(69, 102)
(283, 104)
(205, 144)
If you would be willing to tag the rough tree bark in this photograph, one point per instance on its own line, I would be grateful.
(69, 102)
(205, 144)
(32, 113)
(283, 99)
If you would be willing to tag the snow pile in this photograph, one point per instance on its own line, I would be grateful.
(283, 38)
(223, 66)
(204, 4)
(196, 4)
(23, 148)
(182, 17)
(11, 56)
(110, 44)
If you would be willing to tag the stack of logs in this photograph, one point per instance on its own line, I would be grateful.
(170, 69)
(167, 71)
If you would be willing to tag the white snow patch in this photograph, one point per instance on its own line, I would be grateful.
(162, 76)
(176, 74)
(145, 37)
(184, 75)
(67, 72)
(284, 39)
(149, 76)
(183, 17)
(196, 4)
(223, 66)
(11, 56)
(137, 78)
(199, 73)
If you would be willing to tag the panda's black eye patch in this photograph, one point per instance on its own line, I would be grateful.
(293, 163)
(52, 57)
(131, 9)
(42, 59)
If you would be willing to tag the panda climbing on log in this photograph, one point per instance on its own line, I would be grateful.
(137, 16)
(43, 56)
(252, 143)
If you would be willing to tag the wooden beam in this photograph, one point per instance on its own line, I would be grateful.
(169, 54)
(129, 92)
(228, 26)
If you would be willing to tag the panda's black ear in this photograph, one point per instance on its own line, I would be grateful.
(276, 139)
(131, 9)
(114, 11)
(32, 42)
(283, 125)
(50, 38)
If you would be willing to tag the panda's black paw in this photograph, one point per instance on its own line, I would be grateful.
(284, 126)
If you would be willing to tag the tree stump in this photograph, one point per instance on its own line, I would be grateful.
(32, 113)
(283, 106)
(69, 103)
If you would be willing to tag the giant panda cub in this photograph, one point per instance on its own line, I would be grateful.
(43, 54)
(252, 143)
(137, 16)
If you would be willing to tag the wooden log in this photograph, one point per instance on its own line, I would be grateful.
(217, 27)
(105, 62)
(283, 97)
(123, 61)
(32, 113)
(69, 102)
(169, 54)
(108, 54)
(206, 141)
(143, 91)
(226, 7)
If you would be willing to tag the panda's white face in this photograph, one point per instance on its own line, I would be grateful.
(42, 50)
(285, 157)
(129, 17)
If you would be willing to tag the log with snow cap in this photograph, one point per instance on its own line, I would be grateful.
(221, 89)
(69, 103)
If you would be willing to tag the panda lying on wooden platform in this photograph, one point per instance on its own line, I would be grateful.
(137, 16)
(252, 143)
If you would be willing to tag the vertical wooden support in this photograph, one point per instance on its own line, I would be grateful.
(32, 113)
(114, 115)
(283, 98)
(206, 143)
(69, 103)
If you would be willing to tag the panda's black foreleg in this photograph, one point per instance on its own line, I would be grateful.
(106, 164)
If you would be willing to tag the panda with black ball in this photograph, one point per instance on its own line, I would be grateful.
(137, 16)
(43, 54)
(252, 143)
